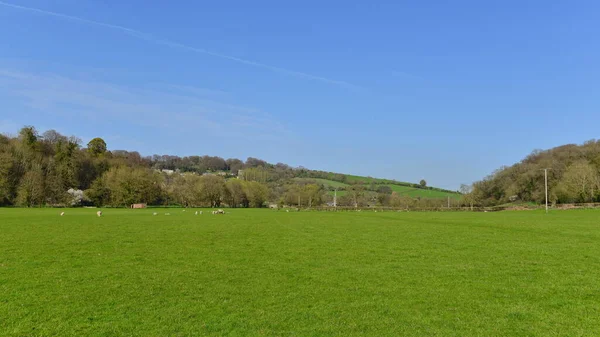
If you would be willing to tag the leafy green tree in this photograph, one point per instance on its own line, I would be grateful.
(28, 136)
(579, 183)
(123, 186)
(423, 183)
(97, 147)
(356, 194)
(235, 193)
(213, 187)
(187, 189)
(384, 199)
(313, 193)
(384, 190)
(31, 188)
(99, 193)
(6, 184)
(257, 193)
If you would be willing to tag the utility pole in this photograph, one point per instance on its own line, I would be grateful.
(546, 183)
(335, 198)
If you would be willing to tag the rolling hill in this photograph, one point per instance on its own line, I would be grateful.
(399, 188)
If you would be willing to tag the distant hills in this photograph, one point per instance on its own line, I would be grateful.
(51, 169)
(573, 177)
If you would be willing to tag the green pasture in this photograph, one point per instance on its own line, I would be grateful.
(324, 182)
(273, 273)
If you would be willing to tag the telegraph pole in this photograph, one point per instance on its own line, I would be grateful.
(546, 183)
(335, 198)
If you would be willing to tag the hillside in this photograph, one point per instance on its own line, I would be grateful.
(50, 169)
(573, 177)
(374, 184)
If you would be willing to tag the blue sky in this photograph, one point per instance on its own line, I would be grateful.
(442, 90)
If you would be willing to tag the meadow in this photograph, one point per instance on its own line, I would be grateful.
(256, 272)
(399, 189)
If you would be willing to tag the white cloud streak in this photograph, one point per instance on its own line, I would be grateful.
(167, 108)
(150, 38)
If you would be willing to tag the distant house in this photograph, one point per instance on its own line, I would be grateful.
(139, 206)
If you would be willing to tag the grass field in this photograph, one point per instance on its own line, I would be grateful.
(324, 182)
(417, 192)
(402, 190)
(270, 273)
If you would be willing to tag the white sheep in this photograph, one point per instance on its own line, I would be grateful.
(200, 212)
(196, 213)
(99, 213)
(62, 213)
(154, 213)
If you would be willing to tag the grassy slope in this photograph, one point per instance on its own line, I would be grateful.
(265, 273)
(325, 182)
(402, 190)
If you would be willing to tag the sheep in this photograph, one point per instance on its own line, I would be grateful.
(154, 213)
(200, 212)
(99, 213)
(167, 213)
(219, 211)
(62, 213)
(196, 213)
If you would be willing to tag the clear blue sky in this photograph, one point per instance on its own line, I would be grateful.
(442, 90)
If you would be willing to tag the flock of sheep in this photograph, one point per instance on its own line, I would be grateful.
(219, 211)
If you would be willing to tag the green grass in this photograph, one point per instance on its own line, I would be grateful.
(402, 190)
(325, 182)
(339, 193)
(270, 273)
(417, 192)
(366, 180)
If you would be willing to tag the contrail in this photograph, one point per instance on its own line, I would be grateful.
(150, 38)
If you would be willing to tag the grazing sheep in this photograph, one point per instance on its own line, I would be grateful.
(62, 213)
(200, 212)
(196, 213)
(99, 213)
(287, 210)
(183, 210)
(154, 213)
(219, 211)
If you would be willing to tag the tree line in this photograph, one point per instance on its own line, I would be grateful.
(50, 169)
(573, 177)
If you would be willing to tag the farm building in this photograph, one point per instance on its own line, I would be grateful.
(139, 206)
